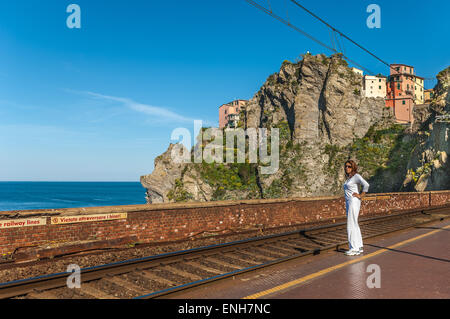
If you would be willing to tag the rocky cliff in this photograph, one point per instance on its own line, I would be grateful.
(429, 167)
(321, 104)
(323, 118)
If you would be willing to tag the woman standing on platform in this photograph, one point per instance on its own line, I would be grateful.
(352, 206)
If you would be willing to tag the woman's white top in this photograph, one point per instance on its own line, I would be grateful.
(351, 186)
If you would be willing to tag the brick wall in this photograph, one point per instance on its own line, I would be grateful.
(164, 222)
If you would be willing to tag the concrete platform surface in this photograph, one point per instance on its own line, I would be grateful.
(413, 263)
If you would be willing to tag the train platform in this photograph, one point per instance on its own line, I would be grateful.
(413, 263)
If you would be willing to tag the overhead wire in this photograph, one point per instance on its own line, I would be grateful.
(346, 37)
(269, 12)
(339, 32)
(332, 39)
(270, 7)
(335, 42)
(287, 10)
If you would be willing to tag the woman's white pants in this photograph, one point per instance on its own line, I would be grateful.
(354, 233)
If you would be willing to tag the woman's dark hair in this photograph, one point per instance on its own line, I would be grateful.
(354, 168)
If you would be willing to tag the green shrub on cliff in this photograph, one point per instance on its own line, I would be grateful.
(292, 170)
(223, 177)
(178, 193)
(336, 158)
(380, 151)
(271, 80)
(283, 131)
(385, 149)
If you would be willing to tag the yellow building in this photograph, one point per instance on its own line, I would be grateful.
(357, 71)
(419, 90)
(428, 95)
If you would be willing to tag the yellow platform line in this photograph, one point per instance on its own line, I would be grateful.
(330, 269)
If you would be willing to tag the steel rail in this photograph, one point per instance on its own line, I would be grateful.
(316, 251)
(51, 281)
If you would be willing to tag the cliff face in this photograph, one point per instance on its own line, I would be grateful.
(320, 98)
(163, 177)
(322, 103)
(429, 167)
(319, 107)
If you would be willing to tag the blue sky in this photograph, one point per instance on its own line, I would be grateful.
(99, 103)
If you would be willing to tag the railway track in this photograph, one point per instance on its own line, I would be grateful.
(161, 275)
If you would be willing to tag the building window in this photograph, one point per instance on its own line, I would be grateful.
(379, 87)
(398, 86)
(403, 102)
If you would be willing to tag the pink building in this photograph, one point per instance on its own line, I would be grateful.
(404, 89)
(229, 113)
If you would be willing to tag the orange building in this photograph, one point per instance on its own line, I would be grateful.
(428, 95)
(229, 113)
(401, 91)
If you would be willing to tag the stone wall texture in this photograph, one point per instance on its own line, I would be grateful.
(177, 221)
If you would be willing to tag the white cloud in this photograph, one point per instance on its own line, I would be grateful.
(159, 112)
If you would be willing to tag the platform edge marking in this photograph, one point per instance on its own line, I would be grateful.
(330, 269)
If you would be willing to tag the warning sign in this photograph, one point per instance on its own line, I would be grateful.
(25, 222)
(87, 218)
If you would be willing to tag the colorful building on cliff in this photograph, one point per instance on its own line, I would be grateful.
(229, 113)
(428, 95)
(357, 71)
(404, 89)
(374, 86)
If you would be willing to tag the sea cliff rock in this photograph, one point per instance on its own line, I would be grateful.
(163, 177)
(323, 118)
(321, 99)
(429, 167)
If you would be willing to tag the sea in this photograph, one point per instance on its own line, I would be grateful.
(54, 195)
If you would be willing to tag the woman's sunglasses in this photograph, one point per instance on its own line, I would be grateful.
(348, 166)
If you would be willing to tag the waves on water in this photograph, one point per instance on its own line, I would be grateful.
(54, 195)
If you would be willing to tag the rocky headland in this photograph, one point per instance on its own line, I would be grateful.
(323, 117)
